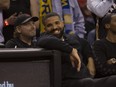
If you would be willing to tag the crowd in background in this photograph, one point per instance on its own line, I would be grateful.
(89, 25)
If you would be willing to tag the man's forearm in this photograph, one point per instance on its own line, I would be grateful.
(53, 43)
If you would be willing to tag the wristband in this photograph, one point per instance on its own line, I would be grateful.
(6, 23)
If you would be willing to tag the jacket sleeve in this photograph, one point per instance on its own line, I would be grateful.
(79, 22)
(52, 43)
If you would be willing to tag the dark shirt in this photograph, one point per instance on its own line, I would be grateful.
(68, 72)
(17, 43)
(104, 50)
(16, 6)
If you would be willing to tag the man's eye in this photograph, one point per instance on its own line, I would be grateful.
(57, 22)
(49, 25)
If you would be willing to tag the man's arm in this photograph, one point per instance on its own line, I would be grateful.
(88, 54)
(99, 7)
(79, 22)
(91, 66)
(53, 43)
(102, 66)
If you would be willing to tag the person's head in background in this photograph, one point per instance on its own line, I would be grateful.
(25, 27)
(4, 4)
(53, 24)
(109, 22)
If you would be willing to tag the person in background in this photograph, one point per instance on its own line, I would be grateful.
(4, 4)
(24, 32)
(89, 22)
(18, 7)
(100, 8)
(105, 49)
(74, 71)
(68, 10)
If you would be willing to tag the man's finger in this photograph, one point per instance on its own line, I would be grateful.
(73, 64)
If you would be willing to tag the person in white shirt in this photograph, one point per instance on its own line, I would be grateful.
(100, 8)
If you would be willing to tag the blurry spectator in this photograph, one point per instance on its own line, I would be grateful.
(69, 11)
(89, 22)
(100, 8)
(105, 49)
(4, 4)
(25, 30)
(17, 7)
(89, 26)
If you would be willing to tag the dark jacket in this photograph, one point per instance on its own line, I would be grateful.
(51, 42)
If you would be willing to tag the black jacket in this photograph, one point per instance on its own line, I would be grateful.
(51, 42)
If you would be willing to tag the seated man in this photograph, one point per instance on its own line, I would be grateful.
(25, 30)
(105, 49)
(74, 51)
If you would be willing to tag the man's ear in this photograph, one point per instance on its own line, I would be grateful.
(18, 29)
(62, 22)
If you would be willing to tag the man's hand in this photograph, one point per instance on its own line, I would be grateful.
(11, 19)
(111, 61)
(75, 59)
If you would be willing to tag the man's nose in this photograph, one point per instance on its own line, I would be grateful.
(54, 26)
(33, 26)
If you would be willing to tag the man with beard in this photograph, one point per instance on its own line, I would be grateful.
(25, 31)
(75, 50)
(105, 49)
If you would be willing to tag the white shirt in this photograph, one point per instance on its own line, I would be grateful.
(99, 7)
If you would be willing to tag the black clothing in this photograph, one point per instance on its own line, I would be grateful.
(88, 82)
(16, 6)
(104, 50)
(51, 42)
(17, 43)
(70, 76)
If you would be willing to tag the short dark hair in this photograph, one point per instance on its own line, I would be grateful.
(48, 16)
(107, 18)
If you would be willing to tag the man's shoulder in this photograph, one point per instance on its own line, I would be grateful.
(101, 43)
(13, 40)
(11, 43)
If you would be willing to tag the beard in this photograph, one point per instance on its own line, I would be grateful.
(57, 35)
(113, 32)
